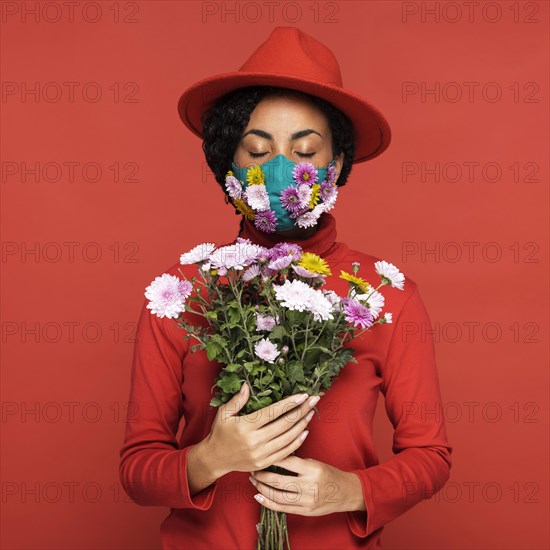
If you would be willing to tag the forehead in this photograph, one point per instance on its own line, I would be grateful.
(288, 109)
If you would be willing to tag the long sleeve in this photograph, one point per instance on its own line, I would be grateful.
(422, 455)
(152, 469)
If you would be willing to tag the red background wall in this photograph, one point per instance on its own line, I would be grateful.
(77, 253)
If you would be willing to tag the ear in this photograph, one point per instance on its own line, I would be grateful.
(339, 163)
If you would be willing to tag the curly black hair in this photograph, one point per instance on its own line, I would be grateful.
(224, 123)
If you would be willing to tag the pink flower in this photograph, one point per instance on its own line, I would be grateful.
(280, 263)
(290, 199)
(265, 322)
(305, 172)
(357, 313)
(304, 194)
(265, 349)
(251, 272)
(265, 221)
(167, 295)
(233, 187)
(331, 174)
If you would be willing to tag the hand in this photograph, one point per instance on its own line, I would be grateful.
(256, 440)
(319, 488)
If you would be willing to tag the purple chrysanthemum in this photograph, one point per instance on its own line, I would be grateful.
(296, 215)
(290, 199)
(331, 175)
(280, 263)
(357, 313)
(305, 172)
(327, 191)
(280, 250)
(303, 272)
(265, 221)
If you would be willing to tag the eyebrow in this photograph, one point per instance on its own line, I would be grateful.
(294, 136)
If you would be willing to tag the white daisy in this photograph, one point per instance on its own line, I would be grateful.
(251, 272)
(310, 218)
(389, 274)
(299, 296)
(293, 294)
(236, 256)
(304, 194)
(320, 306)
(257, 197)
(197, 254)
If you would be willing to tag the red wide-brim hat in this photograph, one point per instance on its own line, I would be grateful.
(290, 58)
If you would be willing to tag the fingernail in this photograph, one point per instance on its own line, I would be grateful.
(304, 435)
(252, 480)
(259, 498)
(309, 415)
(314, 400)
(301, 398)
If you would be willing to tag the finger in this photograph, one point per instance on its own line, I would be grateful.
(277, 507)
(280, 441)
(267, 414)
(236, 403)
(279, 481)
(283, 493)
(289, 449)
(293, 463)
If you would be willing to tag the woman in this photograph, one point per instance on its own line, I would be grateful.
(286, 104)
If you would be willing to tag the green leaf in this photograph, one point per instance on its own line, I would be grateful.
(213, 349)
(230, 383)
(261, 403)
(249, 365)
(278, 333)
(211, 314)
(295, 371)
(232, 367)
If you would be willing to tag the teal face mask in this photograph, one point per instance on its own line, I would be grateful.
(283, 208)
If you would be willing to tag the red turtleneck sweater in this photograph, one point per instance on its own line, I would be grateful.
(169, 383)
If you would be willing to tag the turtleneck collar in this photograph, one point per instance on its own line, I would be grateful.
(322, 242)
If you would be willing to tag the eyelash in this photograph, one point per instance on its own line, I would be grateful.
(305, 155)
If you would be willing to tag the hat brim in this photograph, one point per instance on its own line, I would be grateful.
(372, 131)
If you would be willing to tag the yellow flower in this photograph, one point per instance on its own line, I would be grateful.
(229, 173)
(361, 283)
(314, 195)
(244, 209)
(314, 263)
(255, 176)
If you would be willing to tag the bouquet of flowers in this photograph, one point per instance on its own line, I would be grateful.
(271, 323)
